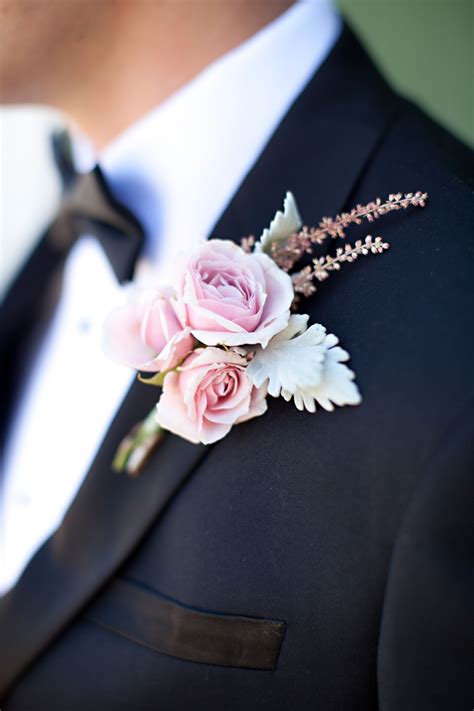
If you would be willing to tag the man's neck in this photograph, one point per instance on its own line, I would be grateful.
(150, 51)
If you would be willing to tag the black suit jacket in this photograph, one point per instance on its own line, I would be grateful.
(306, 561)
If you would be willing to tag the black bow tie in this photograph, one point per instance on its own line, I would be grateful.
(89, 208)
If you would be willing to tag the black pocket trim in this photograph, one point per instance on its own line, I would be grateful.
(166, 626)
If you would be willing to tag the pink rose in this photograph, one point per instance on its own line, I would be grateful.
(146, 334)
(229, 297)
(207, 395)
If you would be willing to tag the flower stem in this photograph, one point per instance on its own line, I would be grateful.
(135, 449)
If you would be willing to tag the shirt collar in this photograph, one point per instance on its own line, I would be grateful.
(178, 167)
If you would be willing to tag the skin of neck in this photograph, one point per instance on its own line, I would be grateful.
(105, 64)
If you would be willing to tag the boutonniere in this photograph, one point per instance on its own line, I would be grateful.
(222, 337)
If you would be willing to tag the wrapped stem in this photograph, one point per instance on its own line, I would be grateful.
(135, 449)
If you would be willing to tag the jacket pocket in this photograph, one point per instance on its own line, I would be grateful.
(164, 625)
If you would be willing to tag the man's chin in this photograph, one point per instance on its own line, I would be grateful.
(14, 91)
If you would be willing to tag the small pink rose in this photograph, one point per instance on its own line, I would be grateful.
(145, 333)
(227, 296)
(207, 395)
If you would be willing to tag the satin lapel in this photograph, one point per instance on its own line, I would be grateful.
(22, 314)
(317, 152)
(108, 517)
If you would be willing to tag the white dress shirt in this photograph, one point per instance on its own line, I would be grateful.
(177, 169)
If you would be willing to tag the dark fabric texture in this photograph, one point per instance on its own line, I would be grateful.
(354, 528)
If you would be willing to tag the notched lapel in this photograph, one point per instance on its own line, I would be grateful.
(109, 515)
(28, 304)
(320, 148)
(318, 152)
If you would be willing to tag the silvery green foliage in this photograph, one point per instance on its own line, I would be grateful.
(281, 227)
(305, 364)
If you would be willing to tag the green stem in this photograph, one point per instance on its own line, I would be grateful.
(134, 450)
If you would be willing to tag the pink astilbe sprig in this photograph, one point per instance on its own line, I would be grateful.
(299, 243)
(350, 253)
(303, 281)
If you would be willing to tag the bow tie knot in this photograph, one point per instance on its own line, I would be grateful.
(89, 208)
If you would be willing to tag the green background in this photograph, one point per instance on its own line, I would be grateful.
(425, 49)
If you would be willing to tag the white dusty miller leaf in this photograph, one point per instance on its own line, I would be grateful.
(288, 362)
(305, 364)
(282, 226)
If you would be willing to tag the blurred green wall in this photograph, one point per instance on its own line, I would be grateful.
(425, 48)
